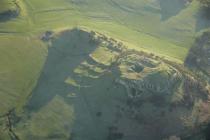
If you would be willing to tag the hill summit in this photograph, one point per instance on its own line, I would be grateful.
(93, 87)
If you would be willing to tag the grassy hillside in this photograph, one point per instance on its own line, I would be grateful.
(20, 66)
(87, 92)
(60, 79)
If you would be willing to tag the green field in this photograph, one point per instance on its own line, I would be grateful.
(140, 26)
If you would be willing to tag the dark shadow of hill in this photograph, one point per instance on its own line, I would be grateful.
(198, 56)
(66, 53)
(171, 8)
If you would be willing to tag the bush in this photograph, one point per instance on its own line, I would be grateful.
(205, 3)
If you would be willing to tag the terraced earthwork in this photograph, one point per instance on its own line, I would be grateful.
(94, 96)
(104, 70)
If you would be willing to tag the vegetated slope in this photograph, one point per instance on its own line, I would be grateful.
(174, 20)
(20, 66)
(129, 21)
(199, 55)
(93, 87)
(20, 63)
(198, 60)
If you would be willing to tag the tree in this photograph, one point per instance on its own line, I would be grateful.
(205, 3)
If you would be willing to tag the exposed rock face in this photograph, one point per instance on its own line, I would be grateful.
(93, 88)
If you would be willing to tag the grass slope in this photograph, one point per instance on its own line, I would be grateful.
(141, 25)
(129, 21)
(20, 66)
(199, 55)
(83, 95)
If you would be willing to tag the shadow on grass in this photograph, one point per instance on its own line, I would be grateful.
(65, 54)
(93, 106)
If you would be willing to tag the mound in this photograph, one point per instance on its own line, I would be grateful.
(92, 87)
(8, 9)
